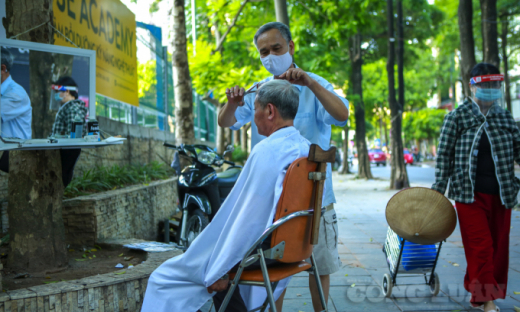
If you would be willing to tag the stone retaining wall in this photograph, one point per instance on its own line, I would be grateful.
(116, 291)
(142, 145)
(131, 212)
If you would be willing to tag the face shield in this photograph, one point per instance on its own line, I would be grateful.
(488, 90)
(56, 100)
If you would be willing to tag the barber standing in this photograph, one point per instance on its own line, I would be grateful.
(16, 110)
(319, 108)
(478, 146)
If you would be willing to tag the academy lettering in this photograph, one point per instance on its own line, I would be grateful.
(109, 27)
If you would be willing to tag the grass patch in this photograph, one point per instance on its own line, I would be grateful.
(102, 179)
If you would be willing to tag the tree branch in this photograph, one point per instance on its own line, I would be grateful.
(312, 11)
(223, 38)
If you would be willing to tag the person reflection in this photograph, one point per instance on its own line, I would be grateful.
(66, 95)
(16, 110)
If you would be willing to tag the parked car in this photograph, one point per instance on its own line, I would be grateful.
(377, 157)
(408, 158)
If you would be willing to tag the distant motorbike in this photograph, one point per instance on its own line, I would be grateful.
(201, 190)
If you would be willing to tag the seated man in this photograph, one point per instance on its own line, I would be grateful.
(185, 283)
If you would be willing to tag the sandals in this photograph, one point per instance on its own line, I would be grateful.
(481, 307)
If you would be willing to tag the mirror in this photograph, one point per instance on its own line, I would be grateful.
(229, 149)
(46, 90)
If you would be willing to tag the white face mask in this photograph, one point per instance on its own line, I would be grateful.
(277, 64)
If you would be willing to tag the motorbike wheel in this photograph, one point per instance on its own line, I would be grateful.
(197, 222)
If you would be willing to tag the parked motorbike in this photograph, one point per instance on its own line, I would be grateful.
(201, 190)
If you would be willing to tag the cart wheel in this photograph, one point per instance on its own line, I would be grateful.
(435, 284)
(387, 285)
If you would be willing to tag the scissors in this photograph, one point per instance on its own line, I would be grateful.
(250, 90)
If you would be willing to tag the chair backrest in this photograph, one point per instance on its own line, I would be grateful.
(297, 195)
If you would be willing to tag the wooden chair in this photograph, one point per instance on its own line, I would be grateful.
(293, 233)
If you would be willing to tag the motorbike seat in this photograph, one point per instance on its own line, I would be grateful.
(226, 181)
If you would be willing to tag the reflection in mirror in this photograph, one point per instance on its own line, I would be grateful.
(16, 106)
(58, 91)
(230, 148)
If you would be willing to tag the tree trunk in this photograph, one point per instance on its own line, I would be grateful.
(280, 7)
(184, 130)
(236, 137)
(400, 54)
(346, 168)
(398, 177)
(243, 138)
(356, 60)
(505, 58)
(221, 136)
(467, 42)
(490, 32)
(35, 185)
(35, 219)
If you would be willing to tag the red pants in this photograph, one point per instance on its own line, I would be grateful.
(484, 227)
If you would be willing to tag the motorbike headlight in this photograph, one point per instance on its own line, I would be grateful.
(206, 157)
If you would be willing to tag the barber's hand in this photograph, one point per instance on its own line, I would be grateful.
(218, 286)
(296, 76)
(235, 95)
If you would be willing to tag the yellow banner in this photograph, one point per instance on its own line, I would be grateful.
(108, 27)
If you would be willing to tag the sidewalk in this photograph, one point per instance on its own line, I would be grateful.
(362, 232)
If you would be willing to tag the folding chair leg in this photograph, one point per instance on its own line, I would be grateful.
(231, 289)
(264, 305)
(267, 282)
(318, 283)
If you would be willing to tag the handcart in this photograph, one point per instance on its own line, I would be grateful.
(410, 260)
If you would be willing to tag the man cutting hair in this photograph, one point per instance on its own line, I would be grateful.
(319, 108)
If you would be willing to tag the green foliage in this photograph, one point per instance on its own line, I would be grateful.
(146, 84)
(239, 155)
(423, 124)
(106, 178)
(211, 74)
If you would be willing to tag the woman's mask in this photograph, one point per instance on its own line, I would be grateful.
(57, 97)
(488, 95)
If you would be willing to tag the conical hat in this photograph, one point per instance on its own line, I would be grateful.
(421, 215)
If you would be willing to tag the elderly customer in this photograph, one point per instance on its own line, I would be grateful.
(319, 108)
(185, 283)
(478, 145)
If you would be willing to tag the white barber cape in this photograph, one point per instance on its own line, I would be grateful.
(179, 284)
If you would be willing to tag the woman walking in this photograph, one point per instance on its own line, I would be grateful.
(478, 146)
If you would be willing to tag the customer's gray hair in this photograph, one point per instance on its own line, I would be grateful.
(282, 94)
(282, 28)
(7, 59)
